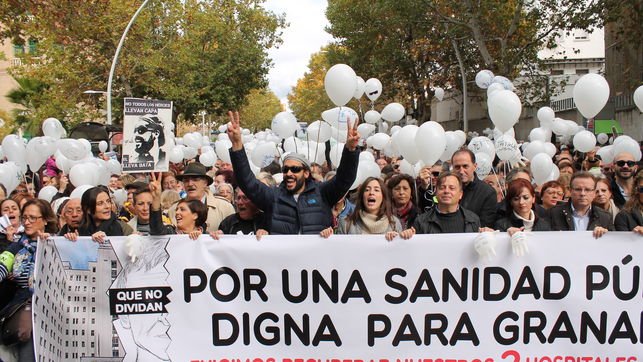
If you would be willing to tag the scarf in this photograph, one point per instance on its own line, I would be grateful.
(527, 223)
(404, 212)
(110, 227)
(372, 225)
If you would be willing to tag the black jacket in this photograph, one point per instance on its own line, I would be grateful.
(428, 223)
(480, 199)
(311, 213)
(511, 220)
(619, 199)
(561, 219)
(628, 220)
(233, 224)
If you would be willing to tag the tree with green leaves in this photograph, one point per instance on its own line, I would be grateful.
(308, 98)
(203, 55)
(260, 107)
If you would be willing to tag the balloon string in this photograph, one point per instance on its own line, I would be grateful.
(339, 116)
(361, 113)
(502, 189)
(317, 146)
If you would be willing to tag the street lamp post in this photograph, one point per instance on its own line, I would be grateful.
(118, 50)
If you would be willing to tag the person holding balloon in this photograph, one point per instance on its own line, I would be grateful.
(299, 205)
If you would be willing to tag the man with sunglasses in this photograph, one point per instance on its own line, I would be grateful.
(623, 182)
(299, 205)
(148, 131)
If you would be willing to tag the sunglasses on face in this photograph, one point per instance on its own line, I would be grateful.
(293, 169)
(622, 163)
(640, 190)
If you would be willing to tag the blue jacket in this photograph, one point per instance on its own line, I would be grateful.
(311, 213)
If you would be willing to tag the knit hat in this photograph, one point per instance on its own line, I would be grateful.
(299, 158)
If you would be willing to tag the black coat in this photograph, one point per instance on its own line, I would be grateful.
(511, 220)
(233, 224)
(561, 218)
(311, 213)
(619, 199)
(628, 220)
(480, 199)
(428, 222)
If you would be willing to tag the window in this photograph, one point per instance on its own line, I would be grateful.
(582, 71)
(556, 72)
(18, 49)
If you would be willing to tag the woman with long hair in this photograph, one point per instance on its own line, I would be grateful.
(191, 215)
(99, 220)
(18, 264)
(520, 201)
(372, 214)
(630, 218)
(603, 197)
(402, 190)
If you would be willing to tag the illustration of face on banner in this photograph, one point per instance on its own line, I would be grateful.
(146, 127)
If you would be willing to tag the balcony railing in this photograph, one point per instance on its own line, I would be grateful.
(622, 102)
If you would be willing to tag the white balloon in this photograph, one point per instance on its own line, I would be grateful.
(222, 149)
(538, 134)
(504, 81)
(559, 127)
(606, 153)
(584, 141)
(84, 174)
(120, 196)
(452, 146)
(176, 154)
(484, 78)
(627, 145)
(284, 124)
(541, 167)
(365, 130)
(494, 87)
(439, 93)
(336, 153)
(339, 135)
(319, 131)
(506, 147)
(52, 127)
(462, 137)
(484, 164)
(372, 116)
(533, 149)
(407, 168)
(550, 149)
(292, 144)
(546, 116)
(264, 154)
(504, 109)
(366, 156)
(554, 175)
(359, 89)
(591, 93)
(406, 143)
(80, 190)
(482, 144)
(340, 83)
(208, 159)
(192, 139)
(35, 153)
(393, 112)
(638, 98)
(14, 148)
(190, 153)
(72, 149)
(380, 140)
(47, 193)
(602, 138)
(431, 142)
(102, 146)
(373, 89)
(572, 128)
(114, 167)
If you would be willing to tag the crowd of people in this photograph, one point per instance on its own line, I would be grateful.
(313, 199)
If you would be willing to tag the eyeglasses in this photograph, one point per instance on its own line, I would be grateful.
(435, 173)
(640, 189)
(554, 192)
(293, 169)
(30, 218)
(622, 163)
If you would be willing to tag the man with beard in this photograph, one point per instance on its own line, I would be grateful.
(147, 130)
(299, 205)
(623, 183)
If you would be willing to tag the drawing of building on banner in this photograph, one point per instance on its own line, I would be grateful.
(73, 280)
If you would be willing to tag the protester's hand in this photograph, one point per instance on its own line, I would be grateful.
(326, 233)
(352, 137)
(155, 190)
(234, 131)
(10, 231)
(43, 235)
(519, 243)
(194, 234)
(134, 246)
(599, 231)
(485, 245)
(485, 229)
(216, 235)
(72, 236)
(260, 233)
(425, 176)
(408, 233)
(63, 182)
(638, 230)
(511, 231)
(390, 235)
(99, 237)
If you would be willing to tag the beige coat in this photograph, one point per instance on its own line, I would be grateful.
(218, 209)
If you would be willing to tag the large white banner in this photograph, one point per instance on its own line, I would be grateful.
(303, 298)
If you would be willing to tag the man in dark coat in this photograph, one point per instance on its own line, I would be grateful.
(623, 183)
(578, 213)
(299, 205)
(448, 216)
(478, 197)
